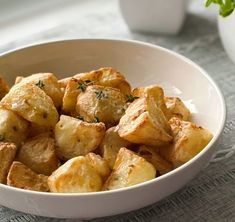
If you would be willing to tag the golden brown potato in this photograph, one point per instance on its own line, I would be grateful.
(189, 140)
(99, 164)
(4, 88)
(104, 104)
(129, 169)
(176, 108)
(7, 155)
(75, 176)
(39, 154)
(111, 145)
(151, 154)
(75, 137)
(18, 79)
(144, 123)
(22, 177)
(49, 84)
(13, 128)
(108, 77)
(32, 103)
(35, 129)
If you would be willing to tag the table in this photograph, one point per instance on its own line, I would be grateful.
(211, 195)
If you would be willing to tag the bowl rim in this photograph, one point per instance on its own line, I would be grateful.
(146, 183)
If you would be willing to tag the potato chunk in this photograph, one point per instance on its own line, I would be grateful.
(39, 154)
(111, 145)
(32, 103)
(77, 175)
(177, 108)
(105, 103)
(108, 77)
(75, 137)
(7, 155)
(129, 169)
(151, 154)
(145, 123)
(48, 83)
(4, 88)
(13, 128)
(189, 140)
(22, 177)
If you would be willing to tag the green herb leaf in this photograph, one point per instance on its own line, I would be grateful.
(82, 85)
(130, 98)
(100, 94)
(40, 84)
(95, 120)
(79, 117)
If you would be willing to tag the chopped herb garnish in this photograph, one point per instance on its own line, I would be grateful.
(95, 120)
(83, 84)
(40, 84)
(116, 177)
(2, 137)
(80, 118)
(100, 94)
(130, 98)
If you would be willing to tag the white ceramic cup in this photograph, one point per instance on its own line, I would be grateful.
(157, 16)
(227, 34)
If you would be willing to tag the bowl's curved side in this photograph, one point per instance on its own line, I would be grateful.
(143, 64)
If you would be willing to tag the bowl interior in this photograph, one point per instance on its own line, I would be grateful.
(142, 64)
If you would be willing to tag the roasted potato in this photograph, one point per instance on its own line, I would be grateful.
(39, 154)
(21, 176)
(108, 77)
(32, 103)
(189, 140)
(75, 137)
(144, 123)
(35, 129)
(4, 88)
(48, 83)
(13, 128)
(103, 103)
(129, 169)
(176, 108)
(111, 145)
(152, 155)
(77, 175)
(7, 155)
(99, 164)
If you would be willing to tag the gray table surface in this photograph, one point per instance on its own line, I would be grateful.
(211, 195)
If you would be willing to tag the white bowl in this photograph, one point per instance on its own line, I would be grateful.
(142, 64)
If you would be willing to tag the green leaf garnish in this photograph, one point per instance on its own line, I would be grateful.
(40, 84)
(95, 120)
(100, 94)
(130, 98)
(82, 85)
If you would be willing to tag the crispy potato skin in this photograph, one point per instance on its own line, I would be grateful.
(4, 88)
(50, 86)
(75, 137)
(152, 155)
(39, 154)
(176, 108)
(13, 128)
(144, 123)
(21, 176)
(111, 144)
(189, 140)
(105, 103)
(7, 155)
(31, 103)
(77, 175)
(129, 169)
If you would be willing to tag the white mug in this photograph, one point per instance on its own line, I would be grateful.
(157, 16)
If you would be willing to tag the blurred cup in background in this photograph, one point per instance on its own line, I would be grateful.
(156, 16)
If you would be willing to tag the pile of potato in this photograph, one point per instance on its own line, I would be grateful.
(91, 132)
